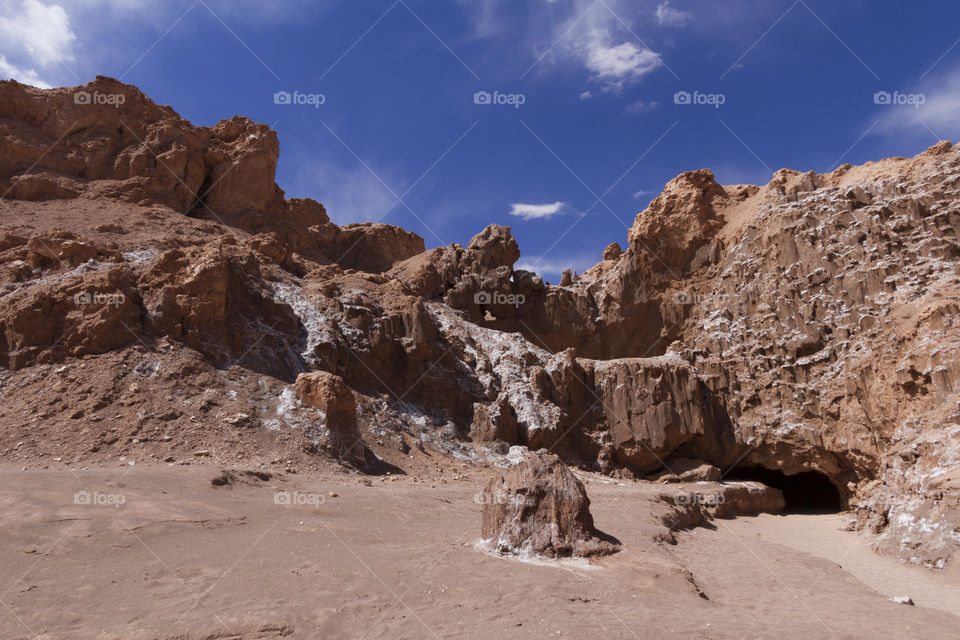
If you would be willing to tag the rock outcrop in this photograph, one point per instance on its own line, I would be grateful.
(107, 139)
(539, 507)
(808, 325)
(334, 399)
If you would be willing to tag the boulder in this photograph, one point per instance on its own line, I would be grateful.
(613, 251)
(747, 499)
(539, 507)
(690, 470)
(493, 247)
(727, 499)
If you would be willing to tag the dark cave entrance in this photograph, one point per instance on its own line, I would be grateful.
(806, 492)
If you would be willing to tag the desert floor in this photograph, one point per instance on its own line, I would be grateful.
(397, 556)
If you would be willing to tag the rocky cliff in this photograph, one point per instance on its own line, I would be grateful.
(160, 295)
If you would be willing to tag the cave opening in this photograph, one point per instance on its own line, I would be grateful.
(809, 492)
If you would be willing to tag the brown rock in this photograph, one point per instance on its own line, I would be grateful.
(746, 499)
(86, 313)
(271, 246)
(492, 248)
(679, 221)
(808, 325)
(539, 507)
(243, 182)
(728, 500)
(328, 393)
(494, 421)
(373, 247)
(692, 470)
(613, 251)
(134, 150)
(652, 407)
(216, 301)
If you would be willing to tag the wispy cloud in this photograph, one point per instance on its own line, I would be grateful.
(931, 106)
(599, 38)
(667, 16)
(349, 194)
(642, 192)
(536, 211)
(641, 106)
(46, 40)
(26, 76)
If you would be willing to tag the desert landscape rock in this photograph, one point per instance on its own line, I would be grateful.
(539, 507)
(328, 393)
(161, 296)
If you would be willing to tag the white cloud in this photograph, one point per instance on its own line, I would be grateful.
(642, 192)
(931, 107)
(536, 211)
(39, 34)
(41, 31)
(598, 37)
(669, 17)
(616, 66)
(586, 95)
(640, 106)
(26, 76)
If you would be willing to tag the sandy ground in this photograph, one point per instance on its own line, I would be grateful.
(163, 553)
(824, 537)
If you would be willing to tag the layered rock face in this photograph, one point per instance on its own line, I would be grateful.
(829, 331)
(539, 507)
(805, 326)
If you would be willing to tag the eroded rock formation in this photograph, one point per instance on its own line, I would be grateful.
(809, 325)
(539, 507)
(328, 393)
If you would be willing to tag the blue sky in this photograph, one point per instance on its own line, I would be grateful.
(593, 104)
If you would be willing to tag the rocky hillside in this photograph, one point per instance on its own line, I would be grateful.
(161, 297)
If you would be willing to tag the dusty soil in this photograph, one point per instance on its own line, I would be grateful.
(166, 553)
(824, 536)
